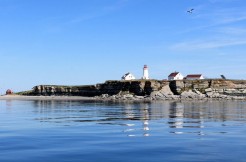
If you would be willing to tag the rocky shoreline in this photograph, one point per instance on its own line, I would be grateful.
(125, 98)
(185, 96)
(150, 90)
(159, 96)
(21, 97)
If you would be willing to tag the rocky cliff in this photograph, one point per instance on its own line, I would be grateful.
(154, 89)
(210, 88)
(136, 87)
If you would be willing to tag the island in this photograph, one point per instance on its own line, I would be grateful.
(149, 90)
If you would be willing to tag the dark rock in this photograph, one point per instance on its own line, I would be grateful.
(155, 89)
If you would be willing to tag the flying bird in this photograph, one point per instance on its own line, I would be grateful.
(191, 10)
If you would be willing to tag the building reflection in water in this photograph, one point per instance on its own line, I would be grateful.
(130, 115)
(183, 116)
(136, 113)
(144, 111)
(7, 104)
(175, 117)
(129, 111)
(52, 111)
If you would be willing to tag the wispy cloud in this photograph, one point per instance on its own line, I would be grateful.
(216, 17)
(101, 12)
(240, 31)
(218, 1)
(59, 23)
(227, 16)
(85, 17)
(224, 27)
(118, 5)
(208, 44)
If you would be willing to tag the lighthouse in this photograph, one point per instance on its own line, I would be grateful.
(145, 72)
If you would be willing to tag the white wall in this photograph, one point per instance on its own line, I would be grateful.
(179, 76)
(195, 78)
(129, 77)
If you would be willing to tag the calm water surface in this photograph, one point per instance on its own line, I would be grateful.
(64, 131)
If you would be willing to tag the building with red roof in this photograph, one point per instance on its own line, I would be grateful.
(194, 76)
(9, 92)
(175, 76)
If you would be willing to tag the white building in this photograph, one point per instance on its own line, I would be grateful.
(128, 76)
(194, 76)
(145, 72)
(175, 76)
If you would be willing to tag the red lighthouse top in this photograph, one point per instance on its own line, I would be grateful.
(145, 66)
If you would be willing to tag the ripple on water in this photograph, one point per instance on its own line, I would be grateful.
(93, 131)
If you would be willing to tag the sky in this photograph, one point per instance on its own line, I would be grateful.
(81, 42)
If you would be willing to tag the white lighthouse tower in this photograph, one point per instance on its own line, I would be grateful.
(145, 72)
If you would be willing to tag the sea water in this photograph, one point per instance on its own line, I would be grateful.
(77, 131)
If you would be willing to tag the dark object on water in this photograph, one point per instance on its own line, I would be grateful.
(223, 77)
(190, 11)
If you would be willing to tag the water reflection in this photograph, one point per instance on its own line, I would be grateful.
(176, 115)
(140, 119)
(180, 118)
(91, 131)
(145, 118)
(6, 104)
(143, 115)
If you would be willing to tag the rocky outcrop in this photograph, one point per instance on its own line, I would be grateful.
(151, 89)
(210, 88)
(48, 90)
(136, 87)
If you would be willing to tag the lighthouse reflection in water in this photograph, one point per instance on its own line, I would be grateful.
(142, 119)
(172, 116)
(142, 115)
(111, 131)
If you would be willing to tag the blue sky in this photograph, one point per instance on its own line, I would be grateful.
(77, 42)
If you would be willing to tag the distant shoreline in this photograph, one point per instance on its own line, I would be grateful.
(111, 98)
(20, 97)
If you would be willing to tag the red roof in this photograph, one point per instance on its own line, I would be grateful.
(9, 91)
(173, 74)
(194, 76)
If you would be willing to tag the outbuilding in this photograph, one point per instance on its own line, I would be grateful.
(9, 92)
(175, 76)
(128, 76)
(194, 77)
